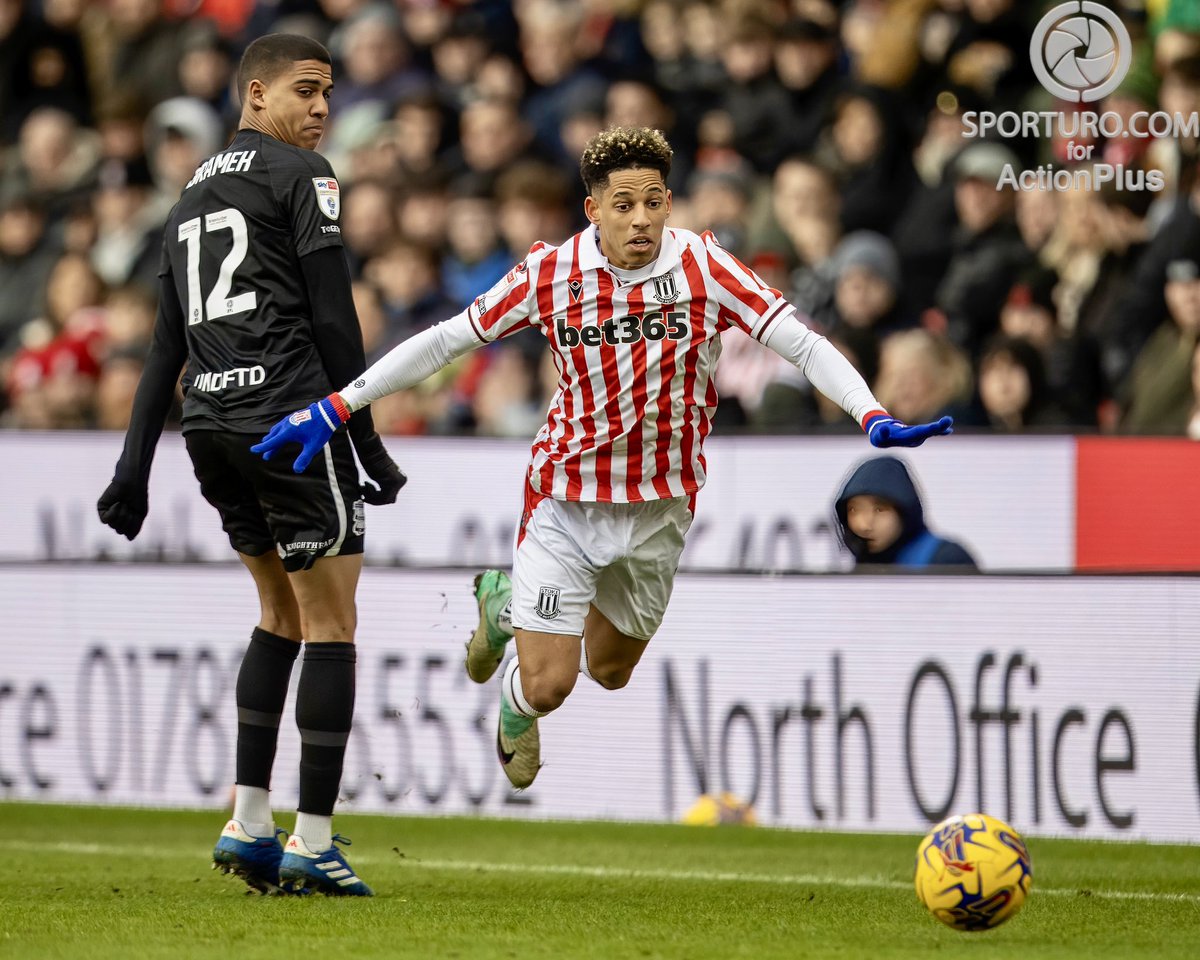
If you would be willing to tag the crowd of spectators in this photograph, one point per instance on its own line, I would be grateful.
(823, 142)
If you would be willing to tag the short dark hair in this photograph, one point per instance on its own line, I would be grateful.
(623, 148)
(269, 56)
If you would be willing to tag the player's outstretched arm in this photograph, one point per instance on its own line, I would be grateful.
(763, 313)
(125, 503)
(404, 366)
(831, 373)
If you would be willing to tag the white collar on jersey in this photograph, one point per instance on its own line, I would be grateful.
(590, 257)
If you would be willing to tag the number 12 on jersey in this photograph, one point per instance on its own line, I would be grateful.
(218, 303)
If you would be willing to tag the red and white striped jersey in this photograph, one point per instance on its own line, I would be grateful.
(636, 360)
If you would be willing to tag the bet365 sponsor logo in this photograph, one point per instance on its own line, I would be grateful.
(657, 325)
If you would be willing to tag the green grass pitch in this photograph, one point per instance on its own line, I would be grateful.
(86, 882)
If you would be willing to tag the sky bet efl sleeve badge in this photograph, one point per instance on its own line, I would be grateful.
(329, 197)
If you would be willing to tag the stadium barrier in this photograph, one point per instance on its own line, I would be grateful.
(1040, 503)
(1064, 705)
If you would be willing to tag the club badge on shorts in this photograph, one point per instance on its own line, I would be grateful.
(329, 197)
(547, 603)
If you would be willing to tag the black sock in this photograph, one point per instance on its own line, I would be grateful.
(324, 711)
(262, 686)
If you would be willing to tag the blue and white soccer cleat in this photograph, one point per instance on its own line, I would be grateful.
(252, 859)
(302, 871)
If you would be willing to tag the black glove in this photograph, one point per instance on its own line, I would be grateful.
(123, 506)
(381, 468)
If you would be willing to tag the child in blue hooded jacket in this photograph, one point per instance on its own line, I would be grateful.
(882, 522)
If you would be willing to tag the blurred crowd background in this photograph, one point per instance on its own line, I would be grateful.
(821, 141)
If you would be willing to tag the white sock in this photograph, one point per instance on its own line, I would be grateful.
(252, 808)
(583, 661)
(315, 831)
(513, 695)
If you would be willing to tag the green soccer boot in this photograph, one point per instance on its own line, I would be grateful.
(518, 746)
(485, 649)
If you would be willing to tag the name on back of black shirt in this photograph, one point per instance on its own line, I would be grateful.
(235, 161)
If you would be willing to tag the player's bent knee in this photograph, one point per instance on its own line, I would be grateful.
(546, 692)
(613, 678)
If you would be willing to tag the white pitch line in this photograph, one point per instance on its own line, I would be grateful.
(606, 873)
(786, 879)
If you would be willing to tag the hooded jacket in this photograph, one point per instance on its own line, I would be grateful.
(917, 546)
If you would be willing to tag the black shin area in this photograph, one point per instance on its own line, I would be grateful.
(324, 711)
(262, 687)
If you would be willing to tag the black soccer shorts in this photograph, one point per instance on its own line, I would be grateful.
(265, 506)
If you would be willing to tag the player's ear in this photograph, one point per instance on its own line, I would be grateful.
(592, 209)
(256, 94)
(668, 201)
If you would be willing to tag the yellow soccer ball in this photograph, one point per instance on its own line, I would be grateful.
(973, 872)
(717, 810)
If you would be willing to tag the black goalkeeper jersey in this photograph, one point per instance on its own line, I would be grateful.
(232, 248)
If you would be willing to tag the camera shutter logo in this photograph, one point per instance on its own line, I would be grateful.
(1080, 51)
(547, 603)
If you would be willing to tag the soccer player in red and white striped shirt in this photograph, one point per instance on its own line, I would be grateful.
(632, 312)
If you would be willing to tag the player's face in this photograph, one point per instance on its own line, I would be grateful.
(875, 520)
(296, 103)
(630, 214)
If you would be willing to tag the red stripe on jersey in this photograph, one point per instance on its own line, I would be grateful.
(516, 296)
(666, 436)
(727, 319)
(579, 361)
(612, 392)
(754, 277)
(532, 499)
(558, 415)
(545, 288)
(704, 426)
(640, 395)
(695, 279)
(735, 287)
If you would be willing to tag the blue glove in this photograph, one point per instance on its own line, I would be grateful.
(890, 432)
(311, 428)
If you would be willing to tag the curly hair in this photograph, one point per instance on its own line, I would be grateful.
(623, 148)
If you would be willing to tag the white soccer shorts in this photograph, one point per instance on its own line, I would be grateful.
(622, 557)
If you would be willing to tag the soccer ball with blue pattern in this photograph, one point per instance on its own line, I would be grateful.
(973, 872)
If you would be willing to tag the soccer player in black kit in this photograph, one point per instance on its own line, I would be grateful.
(255, 300)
